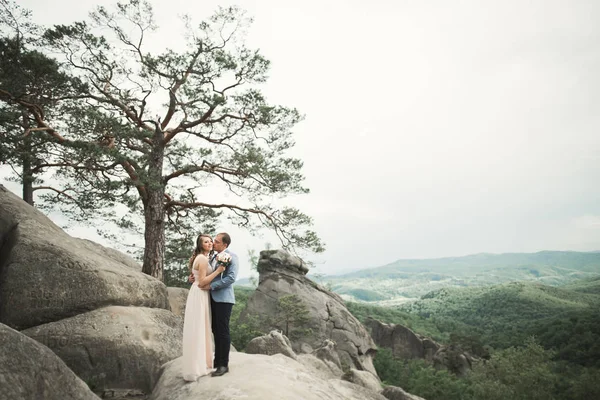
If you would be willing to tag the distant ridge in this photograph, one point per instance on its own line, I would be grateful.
(543, 258)
(409, 279)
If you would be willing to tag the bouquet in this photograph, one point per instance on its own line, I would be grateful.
(223, 259)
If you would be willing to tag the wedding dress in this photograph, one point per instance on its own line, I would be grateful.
(197, 339)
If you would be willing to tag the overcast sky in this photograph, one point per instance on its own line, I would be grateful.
(433, 128)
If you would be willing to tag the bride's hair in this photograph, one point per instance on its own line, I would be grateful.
(198, 249)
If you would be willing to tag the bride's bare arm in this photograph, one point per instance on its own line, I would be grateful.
(201, 264)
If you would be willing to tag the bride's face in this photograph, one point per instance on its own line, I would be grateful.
(207, 244)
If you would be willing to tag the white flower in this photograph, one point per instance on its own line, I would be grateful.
(223, 258)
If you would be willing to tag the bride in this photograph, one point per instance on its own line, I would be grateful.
(197, 339)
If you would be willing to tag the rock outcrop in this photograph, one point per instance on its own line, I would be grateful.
(115, 347)
(47, 275)
(453, 359)
(91, 305)
(177, 299)
(273, 343)
(282, 274)
(396, 393)
(258, 377)
(362, 378)
(29, 370)
(405, 344)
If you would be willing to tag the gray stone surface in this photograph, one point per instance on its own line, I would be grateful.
(454, 360)
(47, 275)
(403, 342)
(396, 393)
(353, 391)
(177, 300)
(115, 347)
(258, 377)
(29, 370)
(324, 369)
(282, 274)
(363, 378)
(270, 344)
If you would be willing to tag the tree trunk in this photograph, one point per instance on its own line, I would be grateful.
(26, 155)
(154, 212)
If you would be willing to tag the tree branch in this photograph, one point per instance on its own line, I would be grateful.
(177, 84)
(60, 192)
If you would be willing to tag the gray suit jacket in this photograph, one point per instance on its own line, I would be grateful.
(221, 289)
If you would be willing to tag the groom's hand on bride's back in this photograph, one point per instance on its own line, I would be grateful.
(191, 278)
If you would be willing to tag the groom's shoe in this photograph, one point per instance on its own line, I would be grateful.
(220, 371)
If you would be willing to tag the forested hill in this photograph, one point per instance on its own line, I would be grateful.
(410, 279)
(506, 314)
(541, 342)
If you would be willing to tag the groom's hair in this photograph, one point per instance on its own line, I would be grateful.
(225, 238)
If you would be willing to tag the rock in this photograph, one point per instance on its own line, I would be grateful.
(453, 359)
(273, 261)
(115, 347)
(327, 352)
(319, 367)
(328, 318)
(273, 343)
(257, 377)
(430, 347)
(352, 391)
(29, 370)
(116, 255)
(363, 378)
(403, 342)
(328, 359)
(396, 393)
(305, 348)
(177, 300)
(47, 275)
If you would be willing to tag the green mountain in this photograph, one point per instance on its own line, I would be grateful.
(533, 336)
(405, 280)
(562, 318)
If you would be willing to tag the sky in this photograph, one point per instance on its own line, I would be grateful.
(433, 128)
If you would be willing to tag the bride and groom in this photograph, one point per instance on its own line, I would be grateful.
(208, 308)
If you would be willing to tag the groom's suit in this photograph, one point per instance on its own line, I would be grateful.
(222, 301)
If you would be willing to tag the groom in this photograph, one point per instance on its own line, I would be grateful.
(222, 300)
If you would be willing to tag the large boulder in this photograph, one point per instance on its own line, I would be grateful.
(273, 343)
(363, 378)
(396, 393)
(115, 347)
(319, 367)
(116, 255)
(454, 360)
(29, 370)
(281, 274)
(47, 275)
(328, 354)
(404, 343)
(351, 390)
(177, 300)
(258, 377)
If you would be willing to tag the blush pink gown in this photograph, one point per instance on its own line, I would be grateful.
(197, 332)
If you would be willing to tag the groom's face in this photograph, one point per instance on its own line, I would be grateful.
(218, 244)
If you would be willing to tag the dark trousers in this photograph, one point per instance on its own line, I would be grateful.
(221, 313)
